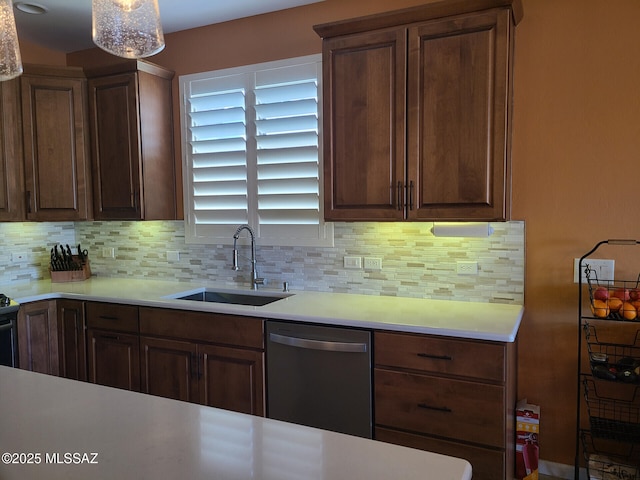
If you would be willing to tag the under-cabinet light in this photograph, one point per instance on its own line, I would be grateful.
(461, 229)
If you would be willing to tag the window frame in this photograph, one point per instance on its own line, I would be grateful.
(223, 234)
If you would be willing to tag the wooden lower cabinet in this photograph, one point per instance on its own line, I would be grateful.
(232, 378)
(114, 359)
(72, 345)
(208, 358)
(487, 463)
(450, 396)
(113, 345)
(38, 337)
(169, 368)
(213, 375)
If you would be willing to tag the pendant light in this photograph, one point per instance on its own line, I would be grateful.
(128, 28)
(10, 60)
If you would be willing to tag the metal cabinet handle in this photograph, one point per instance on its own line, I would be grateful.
(410, 195)
(431, 407)
(350, 347)
(28, 200)
(107, 317)
(434, 357)
(399, 195)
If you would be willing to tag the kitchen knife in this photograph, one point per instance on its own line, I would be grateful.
(54, 266)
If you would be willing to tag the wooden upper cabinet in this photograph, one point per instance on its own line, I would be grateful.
(364, 130)
(12, 201)
(417, 112)
(54, 129)
(130, 106)
(458, 142)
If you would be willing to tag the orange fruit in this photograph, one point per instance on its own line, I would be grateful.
(628, 311)
(614, 304)
(600, 309)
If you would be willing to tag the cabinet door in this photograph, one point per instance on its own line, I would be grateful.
(487, 463)
(55, 147)
(37, 337)
(114, 359)
(113, 108)
(12, 201)
(72, 346)
(169, 368)
(458, 86)
(232, 378)
(364, 125)
(455, 409)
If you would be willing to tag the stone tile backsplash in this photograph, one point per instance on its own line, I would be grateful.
(414, 262)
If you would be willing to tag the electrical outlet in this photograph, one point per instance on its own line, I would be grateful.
(467, 268)
(173, 256)
(373, 263)
(604, 269)
(352, 262)
(108, 252)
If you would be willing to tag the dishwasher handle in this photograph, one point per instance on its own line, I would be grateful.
(328, 345)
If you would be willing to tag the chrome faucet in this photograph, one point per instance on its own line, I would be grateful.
(255, 280)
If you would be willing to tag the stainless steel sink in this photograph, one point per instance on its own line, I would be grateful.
(256, 299)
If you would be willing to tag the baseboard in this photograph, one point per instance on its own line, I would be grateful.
(559, 470)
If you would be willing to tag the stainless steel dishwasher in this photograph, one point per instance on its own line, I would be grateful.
(320, 376)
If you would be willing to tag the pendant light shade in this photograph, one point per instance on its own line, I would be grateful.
(10, 60)
(128, 28)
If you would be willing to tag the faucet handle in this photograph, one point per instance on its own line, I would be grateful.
(260, 281)
(285, 286)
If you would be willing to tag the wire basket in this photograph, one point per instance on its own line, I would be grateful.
(613, 418)
(613, 361)
(613, 299)
(610, 461)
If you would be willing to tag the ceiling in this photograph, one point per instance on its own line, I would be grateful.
(66, 24)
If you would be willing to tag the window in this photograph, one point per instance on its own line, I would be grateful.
(251, 150)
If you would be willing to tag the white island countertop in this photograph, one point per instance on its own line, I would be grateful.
(474, 320)
(53, 428)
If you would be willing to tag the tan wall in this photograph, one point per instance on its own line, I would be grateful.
(576, 171)
(32, 53)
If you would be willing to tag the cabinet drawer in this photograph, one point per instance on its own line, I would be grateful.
(447, 356)
(457, 409)
(110, 316)
(487, 464)
(203, 327)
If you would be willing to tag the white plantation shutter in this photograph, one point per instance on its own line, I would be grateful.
(251, 145)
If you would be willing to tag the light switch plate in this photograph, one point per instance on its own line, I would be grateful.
(173, 256)
(373, 263)
(604, 269)
(352, 262)
(467, 267)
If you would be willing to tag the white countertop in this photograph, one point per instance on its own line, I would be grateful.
(62, 426)
(474, 320)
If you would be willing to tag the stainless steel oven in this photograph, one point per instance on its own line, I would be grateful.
(8, 331)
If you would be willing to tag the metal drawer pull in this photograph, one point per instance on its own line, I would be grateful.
(438, 409)
(107, 317)
(318, 344)
(435, 357)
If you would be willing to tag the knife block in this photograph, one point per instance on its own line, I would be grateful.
(72, 275)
